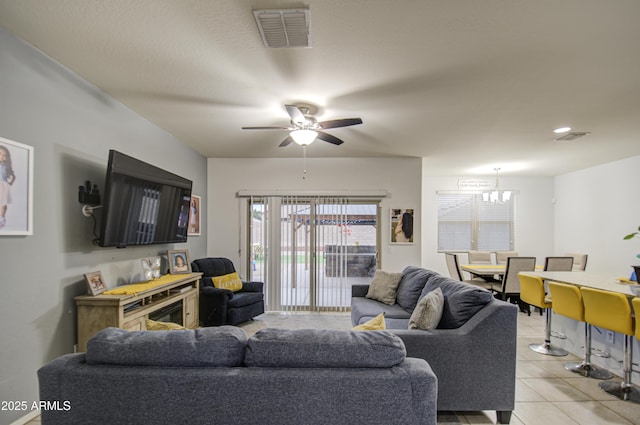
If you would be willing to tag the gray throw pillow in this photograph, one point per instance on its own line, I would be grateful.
(384, 286)
(428, 311)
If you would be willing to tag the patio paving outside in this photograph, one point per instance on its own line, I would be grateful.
(333, 293)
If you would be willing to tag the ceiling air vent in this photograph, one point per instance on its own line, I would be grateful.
(569, 137)
(284, 27)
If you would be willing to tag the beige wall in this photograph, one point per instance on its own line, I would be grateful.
(399, 176)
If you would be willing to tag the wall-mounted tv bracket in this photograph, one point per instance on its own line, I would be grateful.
(89, 197)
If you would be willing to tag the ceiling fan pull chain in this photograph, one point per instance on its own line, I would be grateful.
(304, 162)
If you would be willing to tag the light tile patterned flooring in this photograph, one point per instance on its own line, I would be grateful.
(546, 393)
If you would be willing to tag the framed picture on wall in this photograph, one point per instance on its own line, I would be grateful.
(95, 283)
(179, 261)
(194, 216)
(16, 188)
(401, 222)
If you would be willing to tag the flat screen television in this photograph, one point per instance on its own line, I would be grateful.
(143, 204)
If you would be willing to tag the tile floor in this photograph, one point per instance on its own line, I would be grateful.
(545, 392)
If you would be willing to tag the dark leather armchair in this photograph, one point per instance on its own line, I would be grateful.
(222, 306)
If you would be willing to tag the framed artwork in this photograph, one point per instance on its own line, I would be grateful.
(401, 222)
(16, 188)
(179, 261)
(95, 283)
(194, 216)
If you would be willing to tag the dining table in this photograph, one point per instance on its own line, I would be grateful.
(490, 271)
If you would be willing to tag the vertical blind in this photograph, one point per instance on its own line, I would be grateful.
(467, 223)
(290, 241)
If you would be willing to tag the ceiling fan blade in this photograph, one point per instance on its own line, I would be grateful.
(286, 142)
(296, 114)
(329, 138)
(266, 128)
(340, 123)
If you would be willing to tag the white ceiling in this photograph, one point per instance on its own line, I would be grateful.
(467, 84)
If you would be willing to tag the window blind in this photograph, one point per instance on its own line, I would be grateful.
(467, 223)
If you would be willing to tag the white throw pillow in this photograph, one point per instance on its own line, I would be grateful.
(384, 287)
(428, 311)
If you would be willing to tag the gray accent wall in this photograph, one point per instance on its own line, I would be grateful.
(72, 125)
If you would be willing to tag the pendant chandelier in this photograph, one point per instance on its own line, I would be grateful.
(497, 196)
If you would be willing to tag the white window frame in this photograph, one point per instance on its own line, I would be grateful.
(475, 241)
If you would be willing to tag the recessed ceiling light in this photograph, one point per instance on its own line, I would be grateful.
(562, 130)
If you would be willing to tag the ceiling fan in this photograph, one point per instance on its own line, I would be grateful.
(304, 128)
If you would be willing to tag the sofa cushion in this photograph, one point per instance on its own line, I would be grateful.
(243, 299)
(229, 281)
(461, 300)
(383, 287)
(363, 309)
(428, 311)
(316, 348)
(411, 285)
(375, 324)
(205, 347)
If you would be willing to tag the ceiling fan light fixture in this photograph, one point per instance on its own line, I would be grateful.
(304, 137)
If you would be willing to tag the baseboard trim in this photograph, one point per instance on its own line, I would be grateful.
(26, 418)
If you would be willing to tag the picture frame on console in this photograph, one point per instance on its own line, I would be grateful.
(95, 283)
(401, 225)
(194, 216)
(179, 262)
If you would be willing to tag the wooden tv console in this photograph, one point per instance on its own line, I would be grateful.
(130, 311)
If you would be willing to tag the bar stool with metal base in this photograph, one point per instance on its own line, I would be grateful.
(567, 301)
(532, 292)
(612, 310)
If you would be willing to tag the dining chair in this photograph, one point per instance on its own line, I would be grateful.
(579, 261)
(558, 264)
(480, 257)
(510, 285)
(455, 272)
(501, 256)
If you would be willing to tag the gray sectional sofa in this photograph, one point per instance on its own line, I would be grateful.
(473, 349)
(218, 376)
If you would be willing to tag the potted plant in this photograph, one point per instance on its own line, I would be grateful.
(632, 235)
(635, 268)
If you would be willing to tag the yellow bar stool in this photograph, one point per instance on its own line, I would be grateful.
(567, 301)
(636, 309)
(612, 310)
(532, 292)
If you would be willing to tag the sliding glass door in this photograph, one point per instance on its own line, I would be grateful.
(309, 251)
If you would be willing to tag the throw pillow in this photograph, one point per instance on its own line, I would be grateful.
(229, 281)
(384, 286)
(428, 311)
(375, 324)
(153, 325)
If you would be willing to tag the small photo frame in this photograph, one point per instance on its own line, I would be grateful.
(401, 220)
(194, 216)
(179, 261)
(95, 283)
